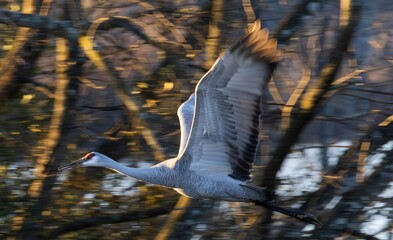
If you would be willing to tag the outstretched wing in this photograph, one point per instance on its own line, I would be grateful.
(224, 131)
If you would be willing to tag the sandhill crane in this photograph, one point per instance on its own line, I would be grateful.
(219, 131)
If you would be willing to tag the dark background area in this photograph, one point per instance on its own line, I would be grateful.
(80, 76)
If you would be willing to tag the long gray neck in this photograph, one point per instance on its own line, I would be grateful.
(159, 174)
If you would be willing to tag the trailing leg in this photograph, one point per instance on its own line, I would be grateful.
(301, 215)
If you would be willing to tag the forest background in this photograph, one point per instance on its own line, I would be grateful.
(79, 76)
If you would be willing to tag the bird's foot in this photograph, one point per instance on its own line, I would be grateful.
(308, 218)
(298, 214)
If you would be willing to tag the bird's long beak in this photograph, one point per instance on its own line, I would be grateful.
(71, 165)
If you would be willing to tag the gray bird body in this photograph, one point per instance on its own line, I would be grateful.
(219, 130)
(173, 174)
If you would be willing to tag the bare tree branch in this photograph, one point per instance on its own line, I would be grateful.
(41, 186)
(43, 23)
(178, 211)
(347, 162)
(212, 40)
(312, 98)
(19, 65)
(288, 26)
(342, 216)
(68, 67)
(310, 103)
(93, 221)
(119, 86)
(57, 28)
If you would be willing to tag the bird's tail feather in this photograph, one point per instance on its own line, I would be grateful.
(301, 215)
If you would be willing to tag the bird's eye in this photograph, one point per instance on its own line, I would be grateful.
(89, 156)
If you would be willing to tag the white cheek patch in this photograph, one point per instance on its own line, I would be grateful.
(91, 162)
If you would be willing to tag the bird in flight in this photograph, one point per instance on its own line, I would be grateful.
(219, 131)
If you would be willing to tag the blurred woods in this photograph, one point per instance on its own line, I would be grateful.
(79, 76)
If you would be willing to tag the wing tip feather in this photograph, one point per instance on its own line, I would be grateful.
(256, 42)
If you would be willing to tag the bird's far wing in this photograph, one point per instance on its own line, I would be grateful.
(225, 127)
(185, 114)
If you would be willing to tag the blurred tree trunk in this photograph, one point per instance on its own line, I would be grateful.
(9, 84)
(40, 190)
